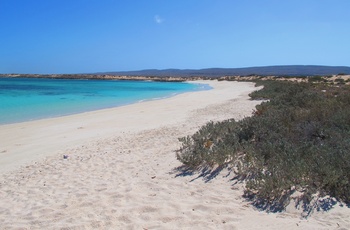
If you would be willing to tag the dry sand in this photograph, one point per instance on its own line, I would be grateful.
(121, 171)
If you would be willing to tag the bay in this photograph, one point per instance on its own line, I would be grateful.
(25, 99)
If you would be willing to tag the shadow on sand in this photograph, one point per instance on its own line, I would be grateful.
(206, 173)
(302, 203)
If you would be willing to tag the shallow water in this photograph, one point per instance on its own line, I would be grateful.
(24, 99)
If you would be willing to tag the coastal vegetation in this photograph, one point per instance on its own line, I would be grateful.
(297, 141)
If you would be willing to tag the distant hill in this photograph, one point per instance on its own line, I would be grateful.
(290, 70)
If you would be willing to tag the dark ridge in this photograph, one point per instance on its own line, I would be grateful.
(288, 70)
(180, 74)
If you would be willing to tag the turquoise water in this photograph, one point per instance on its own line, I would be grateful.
(24, 99)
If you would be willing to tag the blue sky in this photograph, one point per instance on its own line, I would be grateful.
(84, 36)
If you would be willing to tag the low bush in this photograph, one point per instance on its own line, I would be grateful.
(297, 140)
(315, 79)
(340, 81)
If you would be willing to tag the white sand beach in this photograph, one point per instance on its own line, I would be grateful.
(120, 172)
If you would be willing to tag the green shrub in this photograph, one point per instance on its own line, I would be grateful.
(315, 79)
(340, 81)
(298, 140)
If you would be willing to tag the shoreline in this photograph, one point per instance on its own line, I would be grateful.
(121, 171)
(80, 103)
(63, 132)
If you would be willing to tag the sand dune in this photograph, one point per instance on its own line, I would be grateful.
(121, 171)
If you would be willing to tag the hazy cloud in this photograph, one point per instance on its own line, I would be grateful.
(158, 19)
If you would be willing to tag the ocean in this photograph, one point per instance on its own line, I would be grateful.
(26, 99)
